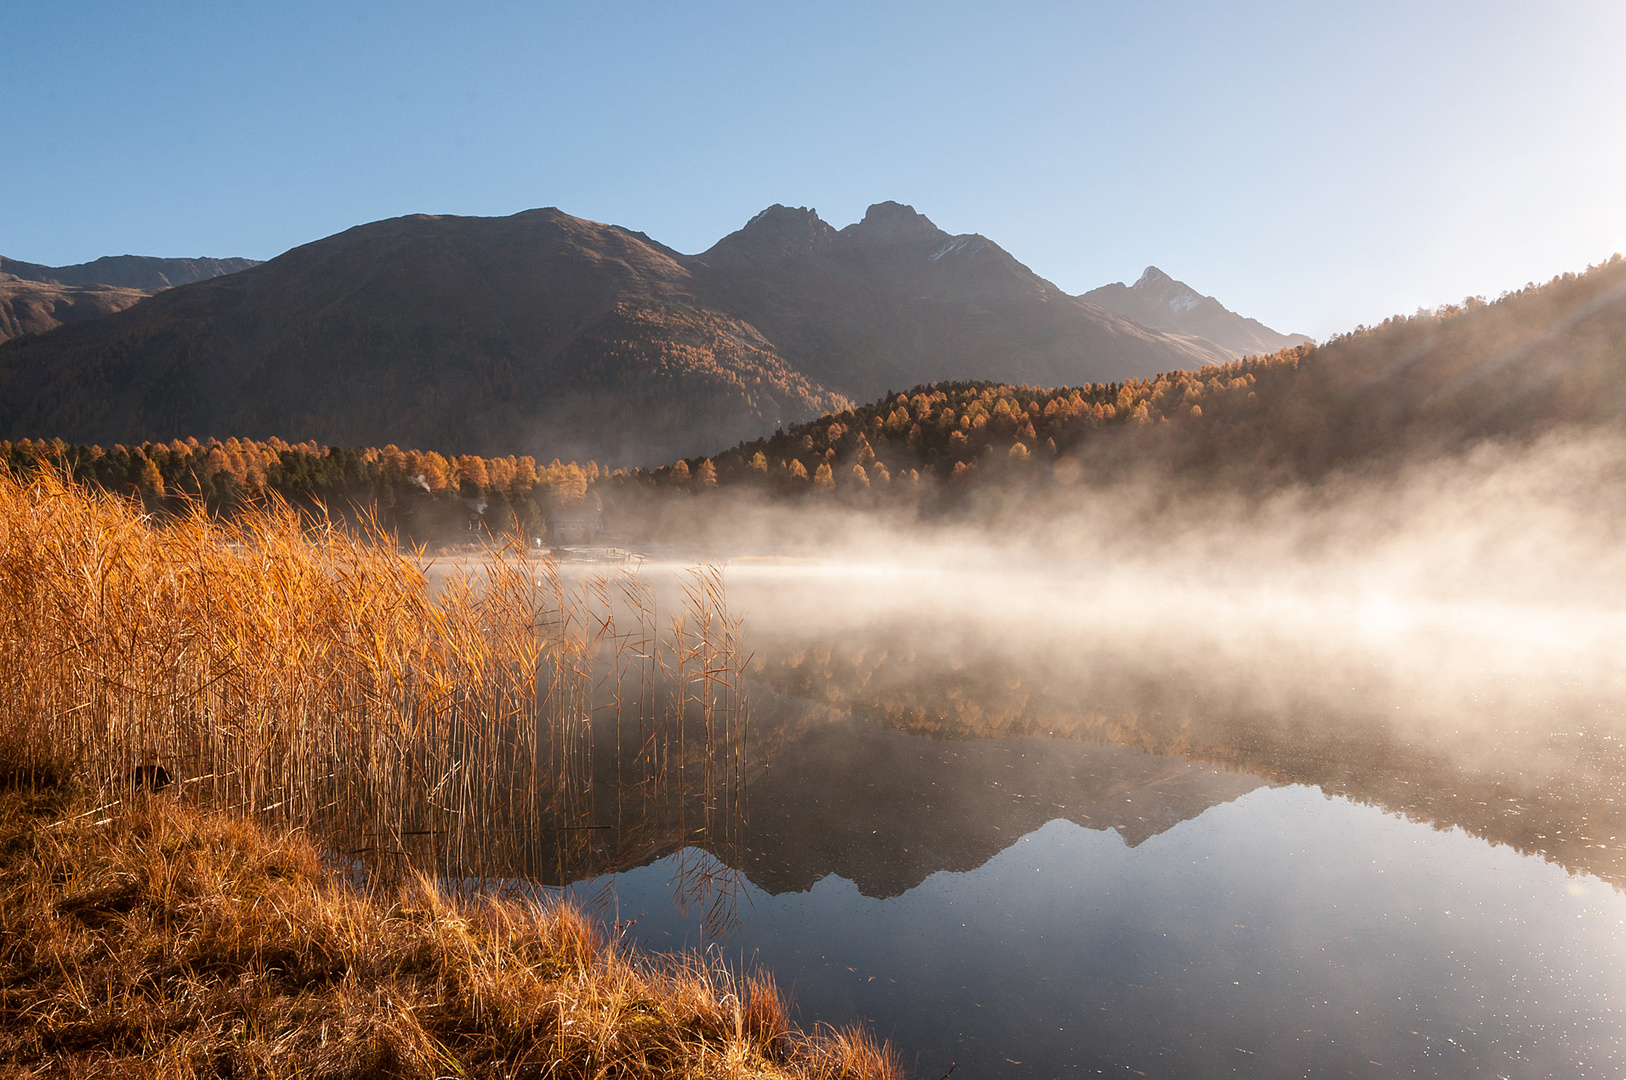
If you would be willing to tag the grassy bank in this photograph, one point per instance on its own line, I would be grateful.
(306, 690)
(155, 939)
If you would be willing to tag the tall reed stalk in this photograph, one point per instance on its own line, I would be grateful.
(507, 721)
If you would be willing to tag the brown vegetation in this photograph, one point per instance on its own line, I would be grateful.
(319, 679)
(155, 940)
(420, 494)
(298, 691)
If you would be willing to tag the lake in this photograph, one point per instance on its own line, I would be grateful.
(1359, 837)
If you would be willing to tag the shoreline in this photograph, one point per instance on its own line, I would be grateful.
(159, 939)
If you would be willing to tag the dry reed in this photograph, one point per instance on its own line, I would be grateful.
(309, 689)
(317, 678)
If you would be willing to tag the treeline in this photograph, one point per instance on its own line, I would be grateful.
(426, 494)
(964, 432)
(1427, 383)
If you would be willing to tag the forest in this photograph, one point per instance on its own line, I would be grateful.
(421, 494)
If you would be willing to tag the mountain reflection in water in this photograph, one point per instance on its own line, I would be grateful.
(1034, 859)
(1282, 934)
(886, 810)
(1040, 906)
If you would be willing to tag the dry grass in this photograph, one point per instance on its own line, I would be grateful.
(162, 941)
(314, 678)
(318, 705)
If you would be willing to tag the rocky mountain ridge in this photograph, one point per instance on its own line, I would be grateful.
(1162, 303)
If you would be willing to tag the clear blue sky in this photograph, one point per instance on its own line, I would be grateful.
(1314, 165)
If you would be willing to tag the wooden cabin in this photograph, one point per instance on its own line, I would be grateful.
(569, 525)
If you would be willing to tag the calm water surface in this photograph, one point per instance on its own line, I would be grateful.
(1165, 853)
(1244, 930)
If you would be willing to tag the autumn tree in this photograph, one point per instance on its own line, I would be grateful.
(521, 476)
(149, 479)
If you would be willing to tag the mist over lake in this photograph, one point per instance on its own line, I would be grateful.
(1185, 787)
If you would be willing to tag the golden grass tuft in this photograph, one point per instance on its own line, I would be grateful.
(160, 940)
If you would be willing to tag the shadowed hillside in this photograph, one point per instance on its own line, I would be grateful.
(33, 307)
(546, 334)
(1546, 357)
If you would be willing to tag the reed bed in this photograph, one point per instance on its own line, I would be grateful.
(351, 740)
(488, 723)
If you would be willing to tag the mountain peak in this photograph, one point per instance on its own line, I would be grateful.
(779, 215)
(890, 220)
(788, 221)
(1165, 303)
(779, 227)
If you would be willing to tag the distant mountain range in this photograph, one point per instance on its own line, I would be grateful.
(127, 271)
(548, 334)
(1162, 303)
(35, 298)
(33, 307)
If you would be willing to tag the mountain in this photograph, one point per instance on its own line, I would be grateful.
(1162, 303)
(1544, 359)
(33, 307)
(127, 271)
(539, 333)
(547, 334)
(892, 301)
(35, 298)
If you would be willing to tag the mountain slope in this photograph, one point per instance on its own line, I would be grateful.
(33, 307)
(127, 271)
(1162, 303)
(546, 334)
(466, 333)
(1416, 388)
(893, 301)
